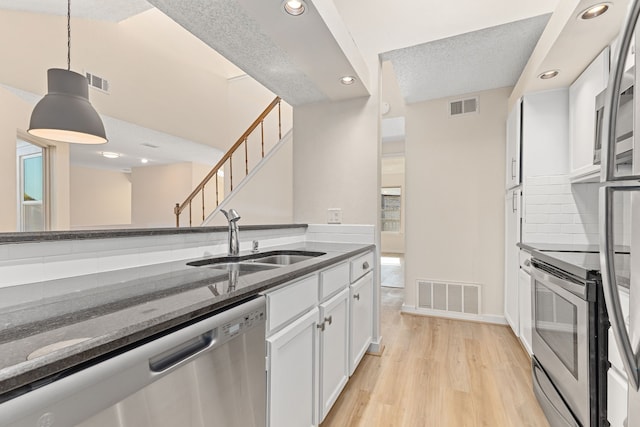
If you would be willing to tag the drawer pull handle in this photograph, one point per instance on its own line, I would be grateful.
(328, 319)
(365, 265)
(356, 296)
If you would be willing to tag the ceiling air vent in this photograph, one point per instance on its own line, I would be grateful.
(98, 82)
(463, 106)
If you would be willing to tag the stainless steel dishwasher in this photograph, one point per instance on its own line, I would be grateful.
(210, 373)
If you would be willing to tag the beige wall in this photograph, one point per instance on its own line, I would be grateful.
(156, 189)
(160, 76)
(455, 196)
(391, 91)
(99, 198)
(336, 161)
(14, 118)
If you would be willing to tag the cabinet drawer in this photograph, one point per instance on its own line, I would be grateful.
(288, 302)
(361, 266)
(333, 279)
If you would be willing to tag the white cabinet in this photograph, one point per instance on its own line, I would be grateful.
(582, 114)
(514, 121)
(292, 373)
(616, 398)
(525, 315)
(334, 350)
(361, 319)
(512, 238)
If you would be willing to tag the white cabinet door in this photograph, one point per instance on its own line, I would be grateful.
(582, 115)
(616, 399)
(512, 265)
(292, 373)
(513, 146)
(334, 350)
(524, 295)
(361, 319)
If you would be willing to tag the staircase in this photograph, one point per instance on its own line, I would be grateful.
(254, 147)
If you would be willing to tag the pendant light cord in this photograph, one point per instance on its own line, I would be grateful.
(69, 35)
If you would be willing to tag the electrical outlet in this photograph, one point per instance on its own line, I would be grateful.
(334, 216)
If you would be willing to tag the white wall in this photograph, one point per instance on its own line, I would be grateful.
(267, 198)
(336, 161)
(99, 198)
(455, 196)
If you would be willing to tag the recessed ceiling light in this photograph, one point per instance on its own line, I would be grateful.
(110, 155)
(144, 160)
(548, 74)
(348, 80)
(594, 11)
(294, 7)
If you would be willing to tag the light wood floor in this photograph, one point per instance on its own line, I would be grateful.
(439, 373)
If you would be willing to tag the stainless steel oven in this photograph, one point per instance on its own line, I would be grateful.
(568, 356)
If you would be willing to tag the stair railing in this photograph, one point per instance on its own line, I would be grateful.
(228, 157)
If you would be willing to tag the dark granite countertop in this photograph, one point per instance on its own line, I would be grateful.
(48, 236)
(132, 305)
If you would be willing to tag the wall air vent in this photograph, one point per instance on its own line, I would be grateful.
(461, 107)
(437, 296)
(98, 82)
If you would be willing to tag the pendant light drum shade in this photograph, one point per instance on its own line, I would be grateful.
(65, 113)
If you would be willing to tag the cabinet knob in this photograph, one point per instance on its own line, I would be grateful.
(328, 319)
(320, 326)
(356, 296)
(365, 265)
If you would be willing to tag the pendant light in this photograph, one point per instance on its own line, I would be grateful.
(65, 113)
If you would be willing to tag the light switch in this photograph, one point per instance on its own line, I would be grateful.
(334, 216)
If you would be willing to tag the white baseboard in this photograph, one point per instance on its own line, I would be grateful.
(485, 318)
(376, 346)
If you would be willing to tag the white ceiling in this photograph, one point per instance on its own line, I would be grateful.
(112, 10)
(480, 60)
(132, 143)
(298, 58)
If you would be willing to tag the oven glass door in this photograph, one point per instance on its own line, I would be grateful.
(560, 338)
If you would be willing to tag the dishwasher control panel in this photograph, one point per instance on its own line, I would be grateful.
(242, 323)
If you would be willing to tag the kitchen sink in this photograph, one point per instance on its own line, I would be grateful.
(282, 259)
(256, 261)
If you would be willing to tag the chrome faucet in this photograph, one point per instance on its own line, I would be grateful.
(233, 217)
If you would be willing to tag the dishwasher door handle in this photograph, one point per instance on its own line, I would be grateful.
(182, 352)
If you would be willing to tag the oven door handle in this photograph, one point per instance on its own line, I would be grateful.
(579, 290)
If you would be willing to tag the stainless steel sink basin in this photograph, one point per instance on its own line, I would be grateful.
(256, 262)
(278, 260)
(242, 267)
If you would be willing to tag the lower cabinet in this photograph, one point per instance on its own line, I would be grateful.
(292, 373)
(361, 319)
(318, 330)
(526, 316)
(334, 350)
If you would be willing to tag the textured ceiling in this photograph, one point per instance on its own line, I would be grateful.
(296, 58)
(111, 10)
(127, 139)
(480, 60)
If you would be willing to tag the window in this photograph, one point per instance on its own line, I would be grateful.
(32, 204)
(390, 209)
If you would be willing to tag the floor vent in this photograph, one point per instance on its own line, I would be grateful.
(463, 106)
(449, 296)
(98, 82)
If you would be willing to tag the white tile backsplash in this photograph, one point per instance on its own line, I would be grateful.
(561, 212)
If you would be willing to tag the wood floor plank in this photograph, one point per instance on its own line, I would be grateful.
(438, 372)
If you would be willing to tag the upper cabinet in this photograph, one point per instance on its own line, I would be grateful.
(514, 144)
(582, 117)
